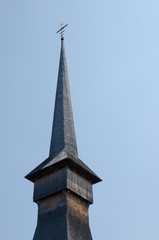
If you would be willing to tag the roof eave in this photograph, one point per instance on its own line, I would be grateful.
(34, 176)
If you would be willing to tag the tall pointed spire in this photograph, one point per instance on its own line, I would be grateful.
(63, 133)
(63, 183)
(63, 147)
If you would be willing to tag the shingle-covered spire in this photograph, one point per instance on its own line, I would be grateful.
(63, 133)
(63, 147)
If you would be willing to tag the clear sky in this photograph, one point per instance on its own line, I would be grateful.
(112, 50)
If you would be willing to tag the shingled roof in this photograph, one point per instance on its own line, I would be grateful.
(63, 133)
(63, 147)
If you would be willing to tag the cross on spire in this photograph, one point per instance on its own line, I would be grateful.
(61, 30)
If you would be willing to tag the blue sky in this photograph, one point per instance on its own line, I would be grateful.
(112, 50)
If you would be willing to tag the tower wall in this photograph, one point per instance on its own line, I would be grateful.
(52, 218)
(60, 180)
(78, 218)
(62, 216)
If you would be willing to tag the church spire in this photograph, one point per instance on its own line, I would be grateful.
(63, 183)
(63, 133)
(63, 147)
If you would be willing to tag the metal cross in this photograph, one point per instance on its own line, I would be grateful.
(61, 30)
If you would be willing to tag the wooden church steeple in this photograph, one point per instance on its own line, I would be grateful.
(63, 183)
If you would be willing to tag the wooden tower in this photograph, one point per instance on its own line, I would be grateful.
(63, 183)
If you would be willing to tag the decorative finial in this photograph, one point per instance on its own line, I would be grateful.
(61, 30)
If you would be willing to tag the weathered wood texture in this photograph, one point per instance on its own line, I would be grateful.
(63, 216)
(60, 180)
